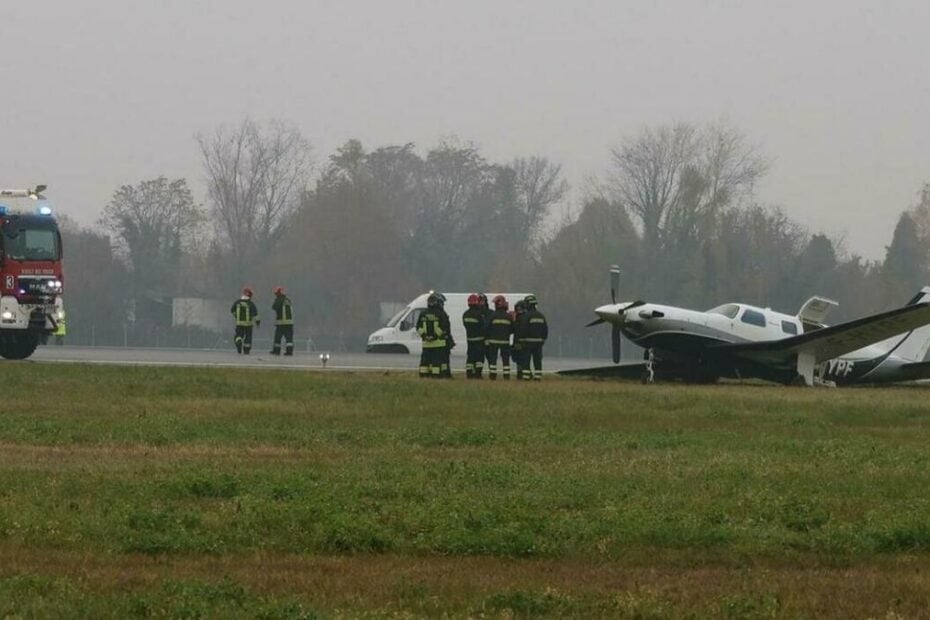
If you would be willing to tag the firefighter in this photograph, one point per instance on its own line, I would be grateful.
(499, 330)
(533, 330)
(246, 315)
(474, 321)
(283, 323)
(517, 351)
(446, 364)
(435, 332)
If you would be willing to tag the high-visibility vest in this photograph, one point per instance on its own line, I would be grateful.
(62, 329)
(430, 331)
(243, 313)
(286, 313)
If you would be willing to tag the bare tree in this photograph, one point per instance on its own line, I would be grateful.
(256, 177)
(539, 186)
(672, 177)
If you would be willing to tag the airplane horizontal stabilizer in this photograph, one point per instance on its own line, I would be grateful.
(834, 341)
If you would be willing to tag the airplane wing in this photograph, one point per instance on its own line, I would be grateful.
(633, 370)
(834, 341)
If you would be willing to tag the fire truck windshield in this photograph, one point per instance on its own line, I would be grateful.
(32, 244)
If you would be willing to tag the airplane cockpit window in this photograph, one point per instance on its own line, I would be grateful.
(728, 310)
(789, 328)
(410, 321)
(753, 317)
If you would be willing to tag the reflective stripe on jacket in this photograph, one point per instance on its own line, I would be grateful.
(283, 312)
(245, 312)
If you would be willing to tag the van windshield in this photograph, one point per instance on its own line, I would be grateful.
(396, 318)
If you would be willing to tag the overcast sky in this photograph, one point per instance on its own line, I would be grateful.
(104, 92)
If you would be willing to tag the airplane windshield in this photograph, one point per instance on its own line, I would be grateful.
(728, 310)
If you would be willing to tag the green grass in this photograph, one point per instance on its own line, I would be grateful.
(205, 492)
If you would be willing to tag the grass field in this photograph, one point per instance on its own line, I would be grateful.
(153, 492)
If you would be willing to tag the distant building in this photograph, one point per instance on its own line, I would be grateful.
(211, 314)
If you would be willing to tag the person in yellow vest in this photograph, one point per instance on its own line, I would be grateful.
(61, 329)
(435, 332)
(283, 323)
(246, 315)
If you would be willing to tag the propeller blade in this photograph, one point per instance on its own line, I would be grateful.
(595, 322)
(614, 282)
(635, 304)
(615, 343)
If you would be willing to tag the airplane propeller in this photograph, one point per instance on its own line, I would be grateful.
(615, 327)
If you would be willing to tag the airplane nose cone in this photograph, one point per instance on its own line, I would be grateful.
(608, 312)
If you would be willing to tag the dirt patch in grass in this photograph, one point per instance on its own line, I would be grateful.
(392, 582)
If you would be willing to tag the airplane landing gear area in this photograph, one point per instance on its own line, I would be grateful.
(649, 375)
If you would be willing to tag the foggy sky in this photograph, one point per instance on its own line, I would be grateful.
(105, 92)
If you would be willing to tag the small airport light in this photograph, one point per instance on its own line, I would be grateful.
(324, 357)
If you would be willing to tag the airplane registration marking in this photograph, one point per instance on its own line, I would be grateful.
(838, 367)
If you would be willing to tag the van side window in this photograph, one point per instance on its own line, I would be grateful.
(789, 328)
(753, 318)
(410, 321)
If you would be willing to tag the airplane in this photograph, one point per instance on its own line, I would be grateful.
(737, 340)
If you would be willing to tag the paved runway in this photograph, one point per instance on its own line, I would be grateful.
(222, 358)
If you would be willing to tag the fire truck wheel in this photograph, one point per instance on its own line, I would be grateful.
(19, 347)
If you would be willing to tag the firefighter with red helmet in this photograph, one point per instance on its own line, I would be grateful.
(283, 323)
(474, 321)
(497, 338)
(436, 333)
(246, 315)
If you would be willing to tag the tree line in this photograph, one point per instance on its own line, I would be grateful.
(677, 210)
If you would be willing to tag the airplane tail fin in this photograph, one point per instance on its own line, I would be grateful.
(915, 345)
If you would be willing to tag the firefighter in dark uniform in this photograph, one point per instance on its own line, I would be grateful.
(446, 365)
(246, 315)
(499, 330)
(517, 350)
(474, 321)
(533, 331)
(435, 332)
(283, 323)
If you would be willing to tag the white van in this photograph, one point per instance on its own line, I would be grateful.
(400, 333)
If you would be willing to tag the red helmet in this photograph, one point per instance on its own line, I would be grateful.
(500, 302)
(473, 299)
(247, 291)
(279, 290)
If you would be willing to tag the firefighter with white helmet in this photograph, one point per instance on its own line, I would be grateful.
(246, 315)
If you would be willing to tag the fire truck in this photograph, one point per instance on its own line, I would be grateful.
(30, 272)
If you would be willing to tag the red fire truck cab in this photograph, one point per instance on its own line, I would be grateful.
(31, 282)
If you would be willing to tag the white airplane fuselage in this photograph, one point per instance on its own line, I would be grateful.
(688, 337)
